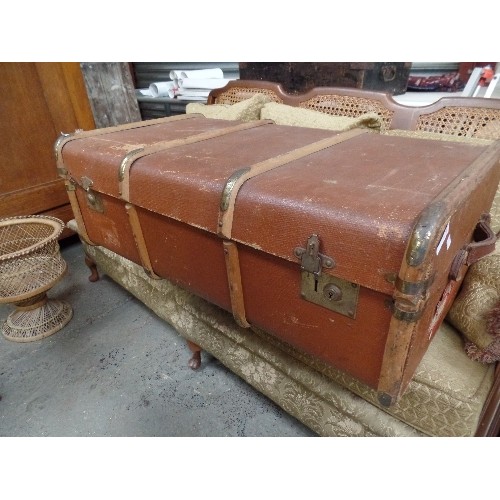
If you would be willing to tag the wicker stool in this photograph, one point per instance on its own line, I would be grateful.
(31, 264)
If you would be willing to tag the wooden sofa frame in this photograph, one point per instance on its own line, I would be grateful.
(459, 116)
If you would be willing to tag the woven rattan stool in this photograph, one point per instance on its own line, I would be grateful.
(30, 265)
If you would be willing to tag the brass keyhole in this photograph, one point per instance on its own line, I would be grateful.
(332, 292)
(91, 197)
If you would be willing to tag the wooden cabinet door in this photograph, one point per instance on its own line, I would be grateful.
(38, 101)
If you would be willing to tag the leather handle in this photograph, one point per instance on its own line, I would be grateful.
(483, 243)
(484, 240)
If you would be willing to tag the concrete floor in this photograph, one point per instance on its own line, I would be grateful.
(116, 369)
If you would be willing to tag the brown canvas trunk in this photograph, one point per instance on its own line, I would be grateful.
(349, 246)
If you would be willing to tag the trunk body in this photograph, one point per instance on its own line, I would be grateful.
(339, 243)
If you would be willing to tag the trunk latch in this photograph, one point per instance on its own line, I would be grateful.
(311, 260)
(336, 294)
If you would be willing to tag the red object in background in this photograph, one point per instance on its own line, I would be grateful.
(465, 68)
(442, 83)
(486, 76)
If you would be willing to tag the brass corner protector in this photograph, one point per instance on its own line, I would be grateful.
(423, 233)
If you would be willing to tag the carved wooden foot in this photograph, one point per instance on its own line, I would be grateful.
(94, 276)
(195, 362)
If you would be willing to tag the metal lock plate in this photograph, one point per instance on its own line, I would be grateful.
(94, 201)
(333, 293)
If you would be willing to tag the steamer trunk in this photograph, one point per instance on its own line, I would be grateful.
(339, 243)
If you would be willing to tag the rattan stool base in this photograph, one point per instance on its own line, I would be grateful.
(30, 265)
(28, 324)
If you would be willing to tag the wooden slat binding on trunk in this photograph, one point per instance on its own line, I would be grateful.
(133, 156)
(80, 134)
(238, 178)
(235, 285)
(229, 194)
(140, 242)
(75, 206)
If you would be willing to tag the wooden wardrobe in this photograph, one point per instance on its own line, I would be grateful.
(38, 101)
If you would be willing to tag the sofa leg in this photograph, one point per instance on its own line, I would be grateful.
(195, 362)
(94, 276)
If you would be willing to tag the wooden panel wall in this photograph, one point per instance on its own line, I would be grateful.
(38, 101)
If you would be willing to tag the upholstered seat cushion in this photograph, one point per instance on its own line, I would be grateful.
(445, 397)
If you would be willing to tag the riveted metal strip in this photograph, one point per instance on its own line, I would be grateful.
(407, 316)
(414, 288)
(61, 170)
(127, 161)
(228, 188)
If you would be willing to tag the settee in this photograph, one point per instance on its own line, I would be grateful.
(455, 390)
